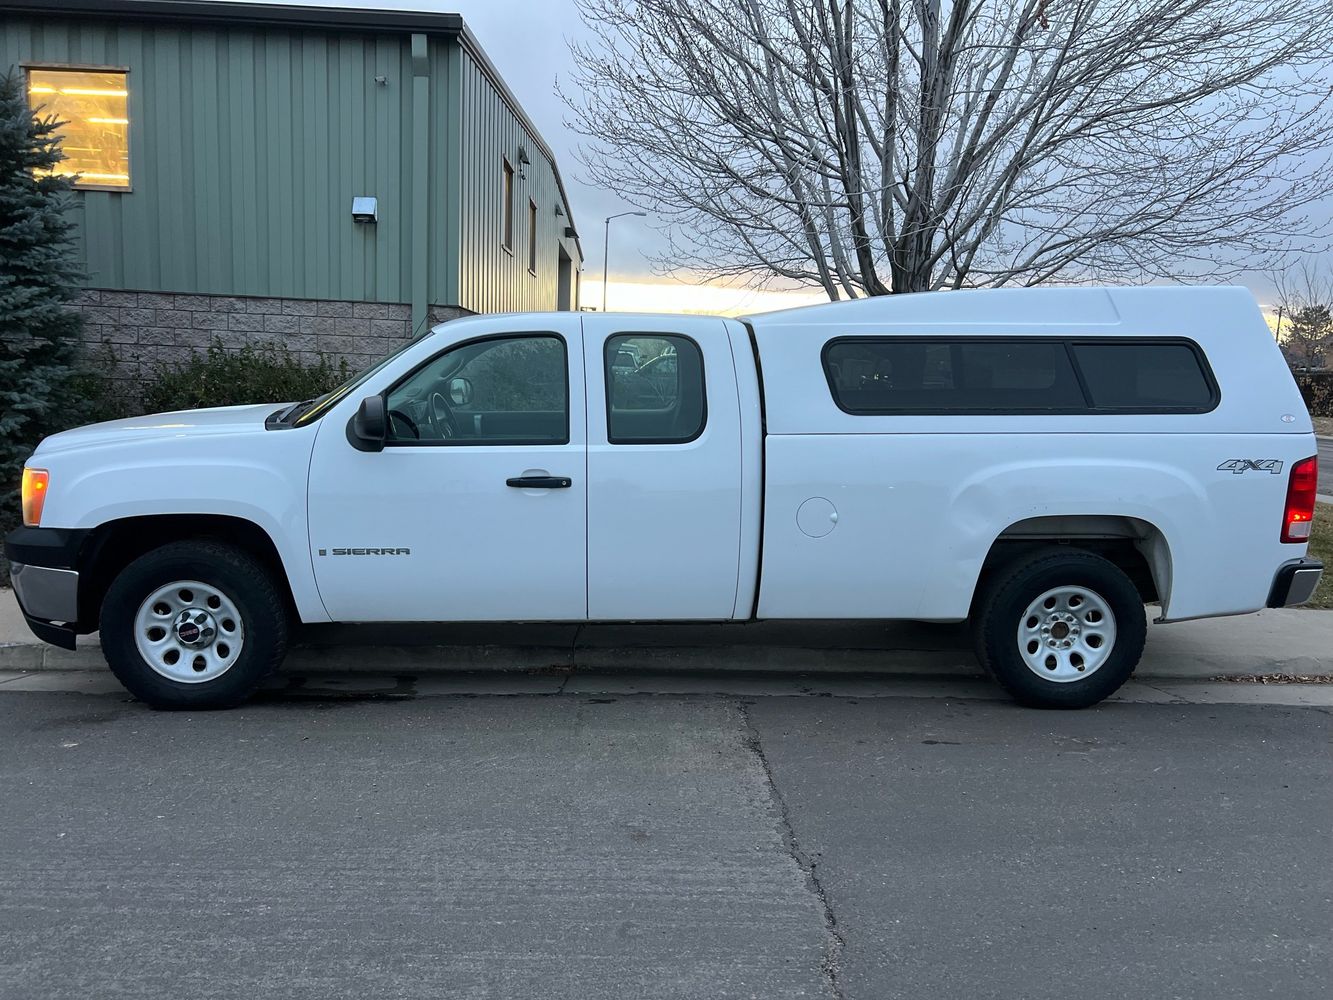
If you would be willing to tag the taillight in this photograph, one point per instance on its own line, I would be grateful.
(1301, 489)
(34, 495)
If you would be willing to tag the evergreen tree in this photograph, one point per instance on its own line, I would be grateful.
(39, 332)
(1308, 333)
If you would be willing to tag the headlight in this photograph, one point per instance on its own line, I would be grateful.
(34, 495)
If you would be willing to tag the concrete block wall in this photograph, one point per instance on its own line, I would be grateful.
(144, 331)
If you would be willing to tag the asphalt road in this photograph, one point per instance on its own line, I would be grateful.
(661, 846)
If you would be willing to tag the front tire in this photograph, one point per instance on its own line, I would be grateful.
(194, 625)
(1060, 628)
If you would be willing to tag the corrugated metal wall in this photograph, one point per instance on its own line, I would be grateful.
(247, 146)
(246, 149)
(492, 279)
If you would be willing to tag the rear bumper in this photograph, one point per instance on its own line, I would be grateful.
(1295, 583)
(44, 571)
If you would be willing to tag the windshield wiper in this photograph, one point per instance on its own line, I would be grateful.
(290, 413)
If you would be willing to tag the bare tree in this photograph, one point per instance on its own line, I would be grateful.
(873, 146)
(1305, 298)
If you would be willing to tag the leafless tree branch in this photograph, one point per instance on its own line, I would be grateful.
(869, 146)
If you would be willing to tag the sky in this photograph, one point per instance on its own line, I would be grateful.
(527, 40)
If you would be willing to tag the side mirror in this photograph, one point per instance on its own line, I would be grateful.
(369, 426)
(460, 391)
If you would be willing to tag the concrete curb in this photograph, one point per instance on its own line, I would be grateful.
(294, 687)
(415, 659)
(1282, 640)
(1277, 641)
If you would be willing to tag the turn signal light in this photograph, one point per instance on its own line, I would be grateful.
(1301, 490)
(34, 495)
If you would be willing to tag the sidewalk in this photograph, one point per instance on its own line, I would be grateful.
(1284, 640)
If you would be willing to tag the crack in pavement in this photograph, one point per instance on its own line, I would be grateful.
(573, 659)
(831, 967)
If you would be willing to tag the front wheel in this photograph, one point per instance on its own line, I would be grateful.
(195, 624)
(1060, 628)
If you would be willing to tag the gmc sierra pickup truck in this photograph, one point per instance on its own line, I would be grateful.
(1043, 463)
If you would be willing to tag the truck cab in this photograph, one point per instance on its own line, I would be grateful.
(516, 464)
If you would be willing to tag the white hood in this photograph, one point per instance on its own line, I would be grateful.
(181, 423)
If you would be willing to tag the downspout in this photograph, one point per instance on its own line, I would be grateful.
(453, 175)
(420, 205)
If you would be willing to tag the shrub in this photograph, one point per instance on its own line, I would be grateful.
(265, 372)
(1317, 388)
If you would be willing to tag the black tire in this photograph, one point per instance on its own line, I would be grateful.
(1005, 599)
(243, 579)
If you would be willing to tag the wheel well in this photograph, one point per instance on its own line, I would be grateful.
(1137, 547)
(114, 545)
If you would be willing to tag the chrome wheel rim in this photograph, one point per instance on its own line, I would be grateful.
(189, 632)
(1066, 634)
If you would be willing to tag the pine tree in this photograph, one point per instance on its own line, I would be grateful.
(39, 332)
(1308, 333)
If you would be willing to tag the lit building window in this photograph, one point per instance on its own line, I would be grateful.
(94, 107)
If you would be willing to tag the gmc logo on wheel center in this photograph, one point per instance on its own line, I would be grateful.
(1241, 465)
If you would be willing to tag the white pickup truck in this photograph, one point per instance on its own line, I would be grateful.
(1042, 463)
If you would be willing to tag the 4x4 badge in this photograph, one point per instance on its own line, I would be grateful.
(1239, 465)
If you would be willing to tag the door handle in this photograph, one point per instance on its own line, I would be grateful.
(539, 482)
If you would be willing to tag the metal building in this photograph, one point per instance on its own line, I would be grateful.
(333, 177)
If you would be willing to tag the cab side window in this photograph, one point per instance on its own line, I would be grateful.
(654, 389)
(500, 390)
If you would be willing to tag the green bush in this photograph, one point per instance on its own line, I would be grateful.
(1317, 388)
(264, 372)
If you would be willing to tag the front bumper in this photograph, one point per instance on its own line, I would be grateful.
(44, 571)
(1295, 583)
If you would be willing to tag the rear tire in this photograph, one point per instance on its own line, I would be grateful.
(1060, 628)
(194, 625)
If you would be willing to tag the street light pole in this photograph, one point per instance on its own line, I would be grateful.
(606, 250)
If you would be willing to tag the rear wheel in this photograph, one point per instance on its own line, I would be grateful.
(196, 624)
(1060, 628)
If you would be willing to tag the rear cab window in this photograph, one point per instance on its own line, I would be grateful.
(1052, 375)
(654, 389)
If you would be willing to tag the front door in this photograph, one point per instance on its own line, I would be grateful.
(476, 508)
(664, 469)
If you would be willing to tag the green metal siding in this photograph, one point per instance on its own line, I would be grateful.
(490, 278)
(246, 148)
(248, 143)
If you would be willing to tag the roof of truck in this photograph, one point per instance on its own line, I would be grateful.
(1063, 305)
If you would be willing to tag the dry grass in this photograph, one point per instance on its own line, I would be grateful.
(1323, 426)
(1321, 547)
(1276, 679)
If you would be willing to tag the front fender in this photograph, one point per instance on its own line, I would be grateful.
(257, 479)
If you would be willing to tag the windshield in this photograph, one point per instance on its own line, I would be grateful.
(324, 403)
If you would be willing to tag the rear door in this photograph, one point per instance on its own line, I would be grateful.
(664, 469)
